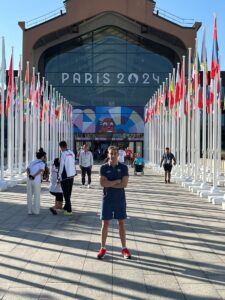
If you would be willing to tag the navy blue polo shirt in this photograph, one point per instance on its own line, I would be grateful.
(167, 158)
(114, 173)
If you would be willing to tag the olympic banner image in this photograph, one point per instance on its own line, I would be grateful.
(103, 119)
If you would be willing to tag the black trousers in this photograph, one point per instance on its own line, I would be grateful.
(67, 186)
(58, 196)
(84, 171)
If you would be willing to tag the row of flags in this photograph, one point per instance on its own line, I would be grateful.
(36, 95)
(177, 89)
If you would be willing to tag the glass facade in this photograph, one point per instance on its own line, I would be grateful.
(108, 67)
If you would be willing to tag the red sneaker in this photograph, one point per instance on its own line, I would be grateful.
(101, 253)
(126, 253)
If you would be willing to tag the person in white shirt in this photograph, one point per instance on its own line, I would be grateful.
(55, 187)
(67, 171)
(122, 155)
(86, 163)
(34, 173)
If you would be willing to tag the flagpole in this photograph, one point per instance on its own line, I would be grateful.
(9, 122)
(214, 188)
(204, 184)
(3, 76)
(21, 127)
(219, 130)
(27, 115)
(183, 121)
(46, 123)
(188, 118)
(16, 124)
(197, 118)
(12, 110)
(43, 114)
(38, 113)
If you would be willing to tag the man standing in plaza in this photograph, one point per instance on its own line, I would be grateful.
(114, 180)
(67, 171)
(167, 159)
(86, 163)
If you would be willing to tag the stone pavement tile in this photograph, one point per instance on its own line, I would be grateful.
(155, 281)
(34, 275)
(22, 293)
(129, 285)
(181, 253)
(217, 280)
(58, 291)
(199, 291)
(189, 275)
(7, 246)
(221, 293)
(95, 284)
(205, 256)
(166, 294)
(45, 255)
(3, 288)
(163, 286)
(66, 272)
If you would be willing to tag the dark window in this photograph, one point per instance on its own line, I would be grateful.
(108, 67)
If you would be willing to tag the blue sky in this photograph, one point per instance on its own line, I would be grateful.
(25, 10)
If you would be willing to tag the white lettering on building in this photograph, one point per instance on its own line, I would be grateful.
(93, 79)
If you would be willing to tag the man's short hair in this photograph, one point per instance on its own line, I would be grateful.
(112, 148)
(167, 148)
(63, 144)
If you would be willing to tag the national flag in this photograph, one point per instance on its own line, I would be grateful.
(215, 53)
(182, 83)
(177, 86)
(10, 86)
(200, 97)
(37, 93)
(26, 89)
(204, 63)
(171, 93)
(146, 112)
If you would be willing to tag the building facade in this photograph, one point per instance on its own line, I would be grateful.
(107, 58)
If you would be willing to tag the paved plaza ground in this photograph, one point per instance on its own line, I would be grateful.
(177, 242)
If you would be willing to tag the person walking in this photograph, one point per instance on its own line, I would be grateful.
(114, 180)
(34, 173)
(86, 163)
(67, 171)
(122, 155)
(55, 187)
(167, 160)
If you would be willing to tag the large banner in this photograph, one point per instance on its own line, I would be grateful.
(102, 119)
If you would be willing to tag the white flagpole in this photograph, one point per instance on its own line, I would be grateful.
(204, 184)
(183, 124)
(34, 118)
(53, 126)
(9, 122)
(43, 115)
(215, 137)
(38, 114)
(197, 116)
(27, 120)
(178, 121)
(46, 124)
(21, 126)
(188, 116)
(71, 127)
(163, 118)
(219, 131)
(3, 81)
(16, 126)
